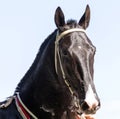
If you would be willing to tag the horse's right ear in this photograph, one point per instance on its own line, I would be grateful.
(59, 18)
(84, 21)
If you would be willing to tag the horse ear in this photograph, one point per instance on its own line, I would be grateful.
(85, 19)
(59, 18)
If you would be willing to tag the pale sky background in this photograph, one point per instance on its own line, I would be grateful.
(24, 24)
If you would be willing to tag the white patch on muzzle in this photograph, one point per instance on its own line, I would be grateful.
(90, 97)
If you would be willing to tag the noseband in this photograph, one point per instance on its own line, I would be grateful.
(57, 53)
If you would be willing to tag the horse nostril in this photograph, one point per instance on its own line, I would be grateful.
(84, 106)
(89, 109)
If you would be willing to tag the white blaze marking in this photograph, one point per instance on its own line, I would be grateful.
(90, 97)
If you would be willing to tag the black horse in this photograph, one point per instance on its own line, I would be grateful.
(59, 84)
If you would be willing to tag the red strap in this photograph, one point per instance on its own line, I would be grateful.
(23, 109)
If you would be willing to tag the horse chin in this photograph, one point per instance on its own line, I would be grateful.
(90, 112)
(80, 114)
(75, 115)
(83, 116)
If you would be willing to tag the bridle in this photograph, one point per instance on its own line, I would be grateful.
(57, 53)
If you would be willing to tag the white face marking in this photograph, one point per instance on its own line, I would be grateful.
(90, 97)
(79, 47)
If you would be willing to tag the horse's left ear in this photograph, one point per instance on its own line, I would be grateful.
(59, 18)
(85, 19)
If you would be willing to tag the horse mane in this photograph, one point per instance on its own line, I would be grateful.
(28, 77)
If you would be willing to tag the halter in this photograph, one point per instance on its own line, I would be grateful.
(57, 52)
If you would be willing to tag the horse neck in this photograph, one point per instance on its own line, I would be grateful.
(30, 87)
(28, 76)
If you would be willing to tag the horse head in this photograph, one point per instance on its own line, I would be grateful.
(74, 60)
